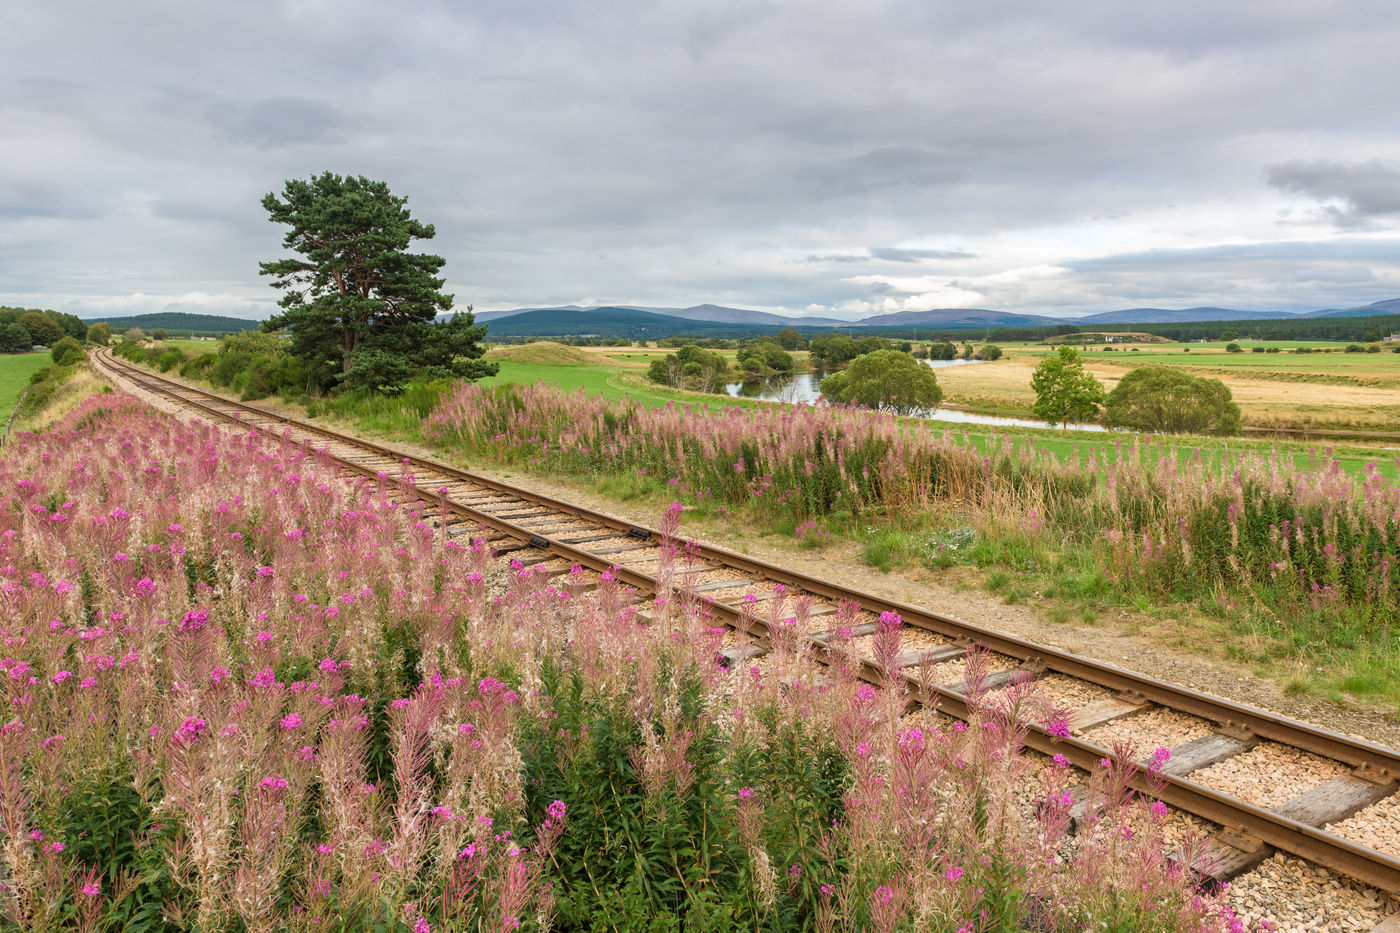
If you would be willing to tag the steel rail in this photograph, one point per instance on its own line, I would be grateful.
(1378, 763)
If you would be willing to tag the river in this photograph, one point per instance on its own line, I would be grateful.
(803, 389)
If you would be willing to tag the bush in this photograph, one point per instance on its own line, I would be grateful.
(166, 360)
(1256, 349)
(990, 352)
(67, 351)
(1233, 348)
(1165, 400)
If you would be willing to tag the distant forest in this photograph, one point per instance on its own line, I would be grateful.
(179, 323)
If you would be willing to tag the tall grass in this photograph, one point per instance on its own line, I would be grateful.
(1311, 548)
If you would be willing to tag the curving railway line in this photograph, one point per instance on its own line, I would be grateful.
(537, 529)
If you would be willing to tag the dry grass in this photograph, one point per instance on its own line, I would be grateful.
(80, 385)
(1281, 399)
(542, 351)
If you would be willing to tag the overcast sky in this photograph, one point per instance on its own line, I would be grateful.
(838, 158)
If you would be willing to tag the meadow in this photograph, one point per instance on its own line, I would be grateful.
(15, 370)
(248, 694)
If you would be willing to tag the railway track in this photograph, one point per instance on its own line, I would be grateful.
(538, 529)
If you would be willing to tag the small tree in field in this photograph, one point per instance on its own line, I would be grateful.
(1164, 400)
(886, 379)
(99, 334)
(357, 301)
(1064, 392)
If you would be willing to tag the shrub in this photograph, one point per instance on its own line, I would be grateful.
(67, 351)
(1163, 399)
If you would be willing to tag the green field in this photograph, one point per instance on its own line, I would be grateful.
(15, 370)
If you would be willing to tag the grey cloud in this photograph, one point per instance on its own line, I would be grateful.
(281, 121)
(668, 154)
(837, 257)
(1366, 190)
(892, 254)
(889, 254)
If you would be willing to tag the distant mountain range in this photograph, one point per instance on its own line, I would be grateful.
(952, 318)
(705, 312)
(710, 320)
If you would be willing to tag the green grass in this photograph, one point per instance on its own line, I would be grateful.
(15, 370)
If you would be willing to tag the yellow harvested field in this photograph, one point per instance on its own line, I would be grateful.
(1277, 399)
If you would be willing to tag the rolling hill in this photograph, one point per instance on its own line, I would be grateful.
(616, 322)
(178, 322)
(705, 312)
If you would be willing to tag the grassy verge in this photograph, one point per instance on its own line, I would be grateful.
(53, 392)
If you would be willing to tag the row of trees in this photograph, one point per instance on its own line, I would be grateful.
(1160, 399)
(22, 328)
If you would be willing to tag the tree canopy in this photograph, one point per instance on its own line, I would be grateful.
(100, 334)
(15, 339)
(1064, 392)
(690, 367)
(1165, 400)
(887, 379)
(358, 304)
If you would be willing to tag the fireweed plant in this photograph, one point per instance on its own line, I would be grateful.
(246, 693)
(1313, 550)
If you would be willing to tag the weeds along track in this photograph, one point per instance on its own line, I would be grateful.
(1266, 782)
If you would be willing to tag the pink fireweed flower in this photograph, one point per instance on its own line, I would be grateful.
(53, 740)
(1058, 728)
(291, 721)
(217, 675)
(273, 782)
(422, 926)
(61, 676)
(264, 571)
(442, 813)
(190, 730)
(92, 888)
(556, 810)
(954, 873)
(1060, 761)
(883, 894)
(746, 793)
(194, 621)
